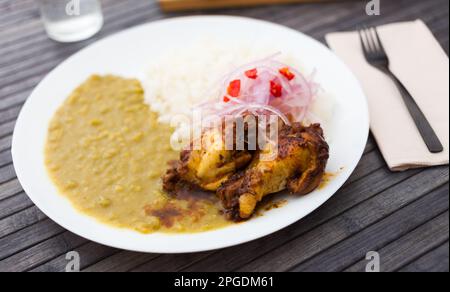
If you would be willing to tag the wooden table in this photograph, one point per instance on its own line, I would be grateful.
(403, 216)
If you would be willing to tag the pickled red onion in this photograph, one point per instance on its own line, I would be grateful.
(255, 94)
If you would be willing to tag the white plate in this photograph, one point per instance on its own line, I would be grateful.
(122, 54)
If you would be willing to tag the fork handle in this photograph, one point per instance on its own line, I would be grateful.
(426, 131)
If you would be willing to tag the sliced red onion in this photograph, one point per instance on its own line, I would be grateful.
(255, 95)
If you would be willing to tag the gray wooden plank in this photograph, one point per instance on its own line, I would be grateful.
(5, 143)
(5, 158)
(7, 173)
(39, 253)
(440, 28)
(123, 261)
(445, 44)
(20, 220)
(14, 7)
(446, 47)
(401, 252)
(348, 197)
(89, 253)
(29, 33)
(389, 229)
(371, 145)
(7, 128)
(50, 52)
(50, 55)
(38, 70)
(439, 25)
(9, 189)
(14, 11)
(14, 204)
(9, 114)
(392, 12)
(28, 237)
(434, 261)
(17, 19)
(11, 80)
(20, 32)
(337, 13)
(10, 6)
(16, 94)
(349, 223)
(370, 163)
(168, 263)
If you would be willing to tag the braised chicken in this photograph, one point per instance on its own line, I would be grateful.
(208, 167)
(241, 179)
(298, 166)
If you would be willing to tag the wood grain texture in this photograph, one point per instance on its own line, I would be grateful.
(5, 143)
(373, 238)
(405, 249)
(434, 261)
(9, 189)
(404, 216)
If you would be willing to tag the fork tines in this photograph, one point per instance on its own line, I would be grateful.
(371, 44)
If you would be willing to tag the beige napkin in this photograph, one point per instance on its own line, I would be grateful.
(421, 64)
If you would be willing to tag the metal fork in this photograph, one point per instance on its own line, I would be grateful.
(376, 56)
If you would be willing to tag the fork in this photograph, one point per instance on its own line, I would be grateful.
(376, 56)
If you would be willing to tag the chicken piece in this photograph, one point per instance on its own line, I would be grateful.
(299, 166)
(209, 167)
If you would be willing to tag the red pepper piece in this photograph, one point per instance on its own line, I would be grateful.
(234, 89)
(252, 74)
(226, 99)
(276, 89)
(287, 73)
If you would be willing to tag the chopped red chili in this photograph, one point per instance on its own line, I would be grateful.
(234, 89)
(276, 89)
(226, 99)
(252, 74)
(287, 73)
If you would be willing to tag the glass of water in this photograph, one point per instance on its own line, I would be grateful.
(71, 20)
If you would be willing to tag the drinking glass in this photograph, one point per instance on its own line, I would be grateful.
(71, 20)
